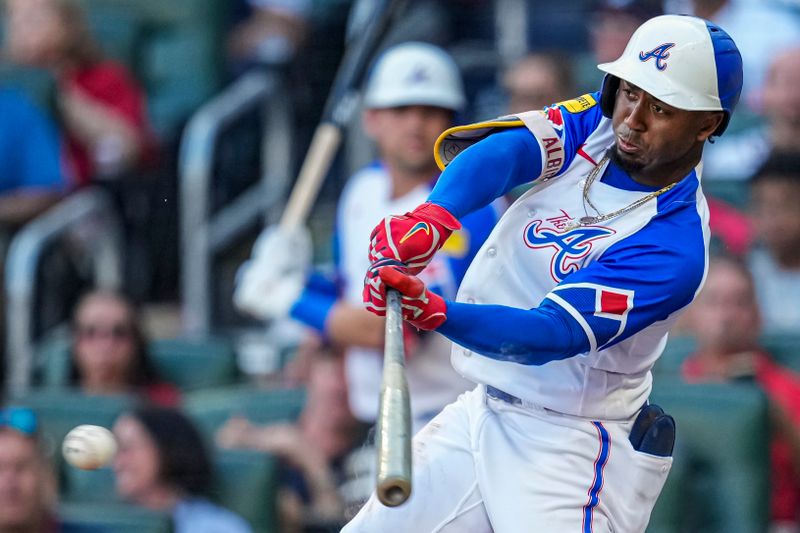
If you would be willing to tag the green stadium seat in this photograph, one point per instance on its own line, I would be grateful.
(61, 409)
(178, 55)
(720, 477)
(194, 363)
(246, 482)
(734, 192)
(111, 518)
(189, 363)
(678, 348)
(210, 408)
(119, 30)
(87, 486)
(784, 347)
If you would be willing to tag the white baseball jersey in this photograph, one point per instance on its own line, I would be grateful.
(567, 318)
(365, 200)
(620, 283)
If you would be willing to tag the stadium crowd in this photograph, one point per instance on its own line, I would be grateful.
(254, 425)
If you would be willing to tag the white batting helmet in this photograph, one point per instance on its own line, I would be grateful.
(415, 73)
(684, 61)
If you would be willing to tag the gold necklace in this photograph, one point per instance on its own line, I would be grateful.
(591, 220)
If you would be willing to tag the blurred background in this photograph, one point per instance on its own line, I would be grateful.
(144, 144)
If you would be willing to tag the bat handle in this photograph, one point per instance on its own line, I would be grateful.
(394, 416)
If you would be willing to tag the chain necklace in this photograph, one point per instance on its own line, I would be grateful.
(591, 220)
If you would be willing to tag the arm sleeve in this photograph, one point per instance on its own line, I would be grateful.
(633, 285)
(487, 170)
(525, 336)
(509, 158)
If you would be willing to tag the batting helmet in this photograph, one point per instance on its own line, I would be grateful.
(684, 61)
(415, 73)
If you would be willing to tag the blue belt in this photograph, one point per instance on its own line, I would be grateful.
(497, 394)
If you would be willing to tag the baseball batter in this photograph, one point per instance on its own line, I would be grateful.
(567, 305)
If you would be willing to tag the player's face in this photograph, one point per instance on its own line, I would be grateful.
(22, 479)
(655, 142)
(405, 135)
(136, 463)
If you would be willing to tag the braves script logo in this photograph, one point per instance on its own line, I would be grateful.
(570, 247)
(660, 53)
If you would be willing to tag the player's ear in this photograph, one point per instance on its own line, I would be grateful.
(709, 123)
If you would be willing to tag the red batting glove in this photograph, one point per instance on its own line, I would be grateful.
(412, 238)
(421, 308)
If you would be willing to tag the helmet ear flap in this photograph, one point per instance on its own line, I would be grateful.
(608, 94)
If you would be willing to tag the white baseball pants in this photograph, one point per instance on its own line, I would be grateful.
(486, 465)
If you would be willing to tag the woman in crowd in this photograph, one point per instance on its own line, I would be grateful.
(162, 464)
(109, 351)
(102, 107)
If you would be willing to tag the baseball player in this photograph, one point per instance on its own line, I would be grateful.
(411, 96)
(568, 303)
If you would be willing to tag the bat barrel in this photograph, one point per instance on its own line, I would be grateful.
(394, 417)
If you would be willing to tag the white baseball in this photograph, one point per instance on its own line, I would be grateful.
(89, 447)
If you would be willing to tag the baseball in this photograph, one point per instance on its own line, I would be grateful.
(89, 447)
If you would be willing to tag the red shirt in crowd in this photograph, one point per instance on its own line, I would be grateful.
(110, 84)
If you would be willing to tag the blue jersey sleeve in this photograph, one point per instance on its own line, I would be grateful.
(511, 157)
(487, 170)
(637, 282)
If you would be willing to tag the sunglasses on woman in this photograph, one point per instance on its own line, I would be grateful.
(116, 332)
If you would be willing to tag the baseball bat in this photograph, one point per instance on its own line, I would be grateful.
(394, 413)
(339, 107)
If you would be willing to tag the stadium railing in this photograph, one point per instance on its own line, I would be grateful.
(90, 220)
(203, 233)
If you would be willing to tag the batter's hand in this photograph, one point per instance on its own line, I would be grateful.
(421, 308)
(412, 238)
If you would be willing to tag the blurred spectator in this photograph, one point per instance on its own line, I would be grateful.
(109, 350)
(31, 177)
(738, 156)
(611, 23)
(162, 464)
(731, 229)
(776, 263)
(272, 33)
(312, 449)
(538, 80)
(102, 107)
(27, 481)
(760, 29)
(725, 321)
(411, 97)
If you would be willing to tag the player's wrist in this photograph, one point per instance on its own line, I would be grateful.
(433, 212)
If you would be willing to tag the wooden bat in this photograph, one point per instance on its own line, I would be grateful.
(394, 414)
(341, 103)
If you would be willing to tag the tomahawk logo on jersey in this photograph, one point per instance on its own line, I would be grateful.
(568, 248)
